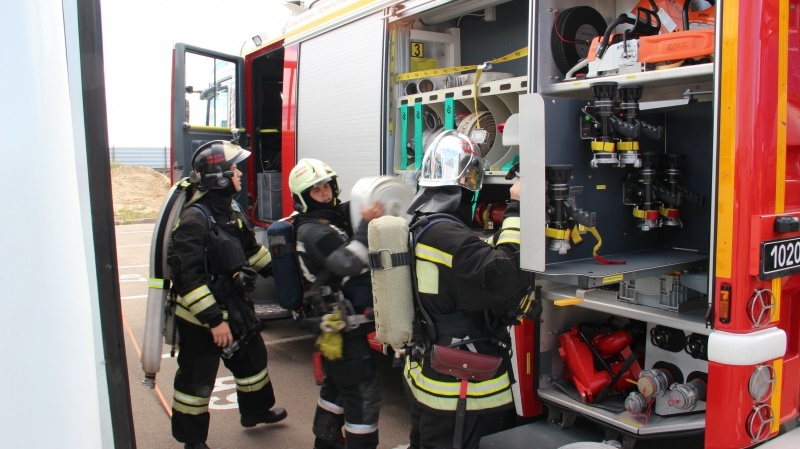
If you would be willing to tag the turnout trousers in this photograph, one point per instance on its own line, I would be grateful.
(198, 362)
(431, 430)
(350, 398)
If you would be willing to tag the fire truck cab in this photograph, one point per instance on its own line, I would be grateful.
(658, 144)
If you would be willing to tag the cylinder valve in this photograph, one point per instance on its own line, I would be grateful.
(654, 382)
(635, 403)
(685, 396)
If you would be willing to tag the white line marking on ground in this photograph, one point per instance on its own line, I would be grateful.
(132, 246)
(288, 340)
(268, 343)
(135, 232)
(135, 266)
(134, 297)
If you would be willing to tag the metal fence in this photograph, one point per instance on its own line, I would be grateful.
(156, 158)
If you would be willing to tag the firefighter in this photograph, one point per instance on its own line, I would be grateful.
(333, 258)
(467, 286)
(214, 259)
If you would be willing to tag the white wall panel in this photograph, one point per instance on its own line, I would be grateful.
(340, 100)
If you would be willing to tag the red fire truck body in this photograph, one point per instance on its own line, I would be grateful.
(690, 168)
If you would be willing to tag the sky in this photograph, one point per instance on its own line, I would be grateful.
(138, 38)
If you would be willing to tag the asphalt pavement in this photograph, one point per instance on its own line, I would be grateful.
(290, 370)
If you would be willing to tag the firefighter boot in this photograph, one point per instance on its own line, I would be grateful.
(271, 417)
(202, 445)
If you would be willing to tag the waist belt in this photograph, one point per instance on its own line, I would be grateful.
(454, 324)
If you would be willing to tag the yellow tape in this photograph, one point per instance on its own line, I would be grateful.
(726, 165)
(522, 52)
(478, 73)
(596, 235)
(576, 237)
(775, 403)
(391, 77)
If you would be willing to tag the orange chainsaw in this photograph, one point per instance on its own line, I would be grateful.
(641, 48)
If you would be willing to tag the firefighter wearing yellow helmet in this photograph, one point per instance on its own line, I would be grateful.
(333, 254)
(466, 285)
(214, 258)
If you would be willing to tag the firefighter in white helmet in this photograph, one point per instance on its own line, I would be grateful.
(214, 258)
(334, 255)
(466, 285)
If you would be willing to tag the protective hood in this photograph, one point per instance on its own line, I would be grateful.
(452, 200)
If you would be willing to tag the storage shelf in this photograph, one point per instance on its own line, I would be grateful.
(624, 420)
(578, 279)
(589, 273)
(606, 301)
(504, 86)
(658, 84)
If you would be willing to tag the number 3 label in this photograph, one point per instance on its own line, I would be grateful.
(417, 49)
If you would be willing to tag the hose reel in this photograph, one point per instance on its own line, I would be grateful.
(470, 123)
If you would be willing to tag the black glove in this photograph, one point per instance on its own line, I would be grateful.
(236, 322)
(245, 280)
(241, 318)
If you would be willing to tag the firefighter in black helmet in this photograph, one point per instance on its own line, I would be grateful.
(214, 258)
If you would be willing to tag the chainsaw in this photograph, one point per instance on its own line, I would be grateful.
(646, 46)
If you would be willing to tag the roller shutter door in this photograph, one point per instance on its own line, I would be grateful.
(340, 100)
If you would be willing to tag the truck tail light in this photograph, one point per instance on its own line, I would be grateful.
(725, 303)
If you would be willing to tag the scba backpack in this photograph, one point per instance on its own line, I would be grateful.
(285, 267)
(399, 315)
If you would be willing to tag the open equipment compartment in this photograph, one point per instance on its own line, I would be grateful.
(630, 200)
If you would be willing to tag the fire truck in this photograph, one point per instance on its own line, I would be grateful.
(658, 146)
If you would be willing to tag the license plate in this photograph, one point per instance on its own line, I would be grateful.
(780, 258)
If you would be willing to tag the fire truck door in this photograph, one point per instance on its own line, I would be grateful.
(531, 152)
(207, 104)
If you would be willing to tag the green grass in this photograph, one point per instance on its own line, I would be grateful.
(127, 215)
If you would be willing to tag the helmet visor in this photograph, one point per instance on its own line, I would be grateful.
(452, 159)
(235, 154)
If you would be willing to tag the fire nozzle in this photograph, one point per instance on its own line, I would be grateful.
(562, 215)
(655, 191)
(617, 127)
(604, 148)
